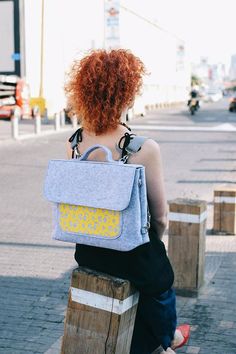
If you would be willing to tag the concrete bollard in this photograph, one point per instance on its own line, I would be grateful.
(100, 314)
(186, 247)
(63, 118)
(15, 123)
(225, 210)
(74, 122)
(57, 121)
(37, 122)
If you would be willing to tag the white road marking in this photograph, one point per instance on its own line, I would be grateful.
(218, 128)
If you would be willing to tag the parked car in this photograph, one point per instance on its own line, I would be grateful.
(213, 96)
(232, 104)
(14, 93)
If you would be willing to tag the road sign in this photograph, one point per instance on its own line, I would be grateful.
(112, 32)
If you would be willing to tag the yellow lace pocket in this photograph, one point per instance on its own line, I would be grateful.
(89, 221)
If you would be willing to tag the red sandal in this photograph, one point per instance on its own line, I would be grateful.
(185, 331)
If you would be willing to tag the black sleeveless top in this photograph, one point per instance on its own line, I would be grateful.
(146, 266)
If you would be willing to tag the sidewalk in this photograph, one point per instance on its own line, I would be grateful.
(27, 129)
(211, 313)
(35, 271)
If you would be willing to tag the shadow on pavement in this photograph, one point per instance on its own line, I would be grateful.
(212, 313)
(32, 313)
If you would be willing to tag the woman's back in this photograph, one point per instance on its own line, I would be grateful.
(146, 266)
(102, 86)
(148, 156)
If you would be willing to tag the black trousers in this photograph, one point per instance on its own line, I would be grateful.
(148, 268)
(155, 323)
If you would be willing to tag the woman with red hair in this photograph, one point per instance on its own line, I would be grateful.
(100, 89)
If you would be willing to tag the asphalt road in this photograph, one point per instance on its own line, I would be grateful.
(210, 115)
(199, 152)
(35, 271)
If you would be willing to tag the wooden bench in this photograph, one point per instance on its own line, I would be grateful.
(100, 314)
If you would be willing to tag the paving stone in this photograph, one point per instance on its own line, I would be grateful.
(193, 350)
(226, 324)
(35, 271)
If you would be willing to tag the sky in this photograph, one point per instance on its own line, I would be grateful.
(207, 26)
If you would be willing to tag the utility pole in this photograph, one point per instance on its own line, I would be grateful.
(42, 51)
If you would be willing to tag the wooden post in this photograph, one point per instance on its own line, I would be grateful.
(225, 210)
(100, 314)
(63, 118)
(74, 121)
(186, 247)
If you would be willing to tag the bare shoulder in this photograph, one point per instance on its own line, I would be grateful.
(151, 146)
(150, 151)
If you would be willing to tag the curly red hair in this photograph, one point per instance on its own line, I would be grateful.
(102, 85)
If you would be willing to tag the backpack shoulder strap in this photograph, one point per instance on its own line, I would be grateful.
(75, 138)
(135, 144)
(132, 144)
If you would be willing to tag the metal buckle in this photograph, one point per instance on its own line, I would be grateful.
(124, 159)
(77, 153)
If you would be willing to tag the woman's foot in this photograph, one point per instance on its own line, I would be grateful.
(181, 336)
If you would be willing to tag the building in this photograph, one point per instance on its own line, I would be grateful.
(52, 35)
(232, 69)
(211, 75)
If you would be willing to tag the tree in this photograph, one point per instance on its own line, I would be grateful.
(195, 80)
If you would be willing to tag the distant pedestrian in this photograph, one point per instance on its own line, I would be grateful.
(100, 89)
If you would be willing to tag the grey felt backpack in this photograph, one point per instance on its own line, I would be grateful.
(102, 204)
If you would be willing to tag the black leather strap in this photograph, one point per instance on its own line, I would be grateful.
(128, 144)
(75, 139)
(124, 143)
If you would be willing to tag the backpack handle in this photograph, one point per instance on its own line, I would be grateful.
(94, 147)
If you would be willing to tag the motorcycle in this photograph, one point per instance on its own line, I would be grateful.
(193, 106)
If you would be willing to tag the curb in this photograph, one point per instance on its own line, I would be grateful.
(33, 136)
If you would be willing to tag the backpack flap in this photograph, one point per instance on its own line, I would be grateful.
(106, 185)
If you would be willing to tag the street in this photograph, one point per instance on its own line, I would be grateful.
(198, 152)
